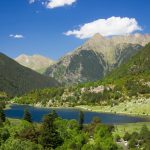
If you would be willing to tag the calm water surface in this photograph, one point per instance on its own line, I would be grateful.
(16, 111)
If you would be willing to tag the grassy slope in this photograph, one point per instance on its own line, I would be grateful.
(129, 127)
(135, 107)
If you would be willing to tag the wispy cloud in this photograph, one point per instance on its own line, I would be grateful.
(16, 36)
(106, 27)
(51, 4)
(59, 3)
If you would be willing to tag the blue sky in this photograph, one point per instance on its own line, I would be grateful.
(35, 29)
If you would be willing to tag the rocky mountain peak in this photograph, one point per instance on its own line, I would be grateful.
(36, 62)
(98, 36)
(96, 39)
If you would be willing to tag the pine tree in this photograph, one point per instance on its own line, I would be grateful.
(54, 113)
(2, 115)
(27, 115)
(50, 137)
(81, 120)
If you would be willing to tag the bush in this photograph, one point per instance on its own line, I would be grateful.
(117, 138)
(132, 143)
(127, 136)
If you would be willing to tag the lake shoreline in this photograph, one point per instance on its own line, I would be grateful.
(82, 107)
(85, 108)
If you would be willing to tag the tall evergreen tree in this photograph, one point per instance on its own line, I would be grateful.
(2, 115)
(49, 137)
(81, 120)
(54, 113)
(27, 116)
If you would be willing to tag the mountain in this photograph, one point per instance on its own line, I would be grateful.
(16, 79)
(96, 57)
(36, 62)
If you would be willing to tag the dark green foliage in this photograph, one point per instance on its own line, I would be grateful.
(27, 116)
(81, 119)
(127, 136)
(145, 133)
(117, 138)
(2, 104)
(92, 98)
(91, 127)
(54, 114)
(29, 133)
(17, 80)
(144, 138)
(50, 138)
(2, 115)
(132, 143)
(42, 96)
(104, 139)
(4, 134)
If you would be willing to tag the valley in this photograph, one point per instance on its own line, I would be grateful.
(74, 75)
(112, 113)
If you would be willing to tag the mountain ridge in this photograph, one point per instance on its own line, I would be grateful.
(112, 51)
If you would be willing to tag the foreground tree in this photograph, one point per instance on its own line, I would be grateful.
(27, 115)
(81, 120)
(50, 137)
(2, 115)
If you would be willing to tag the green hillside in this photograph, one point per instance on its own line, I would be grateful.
(138, 67)
(16, 79)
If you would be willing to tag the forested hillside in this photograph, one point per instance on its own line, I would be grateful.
(16, 79)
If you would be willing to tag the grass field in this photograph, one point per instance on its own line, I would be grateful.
(130, 128)
(135, 107)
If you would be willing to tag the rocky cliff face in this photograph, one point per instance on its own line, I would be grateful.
(36, 62)
(96, 57)
(81, 66)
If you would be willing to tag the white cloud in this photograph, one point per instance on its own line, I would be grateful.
(32, 1)
(58, 3)
(106, 27)
(17, 36)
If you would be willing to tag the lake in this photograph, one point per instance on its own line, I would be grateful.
(16, 111)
